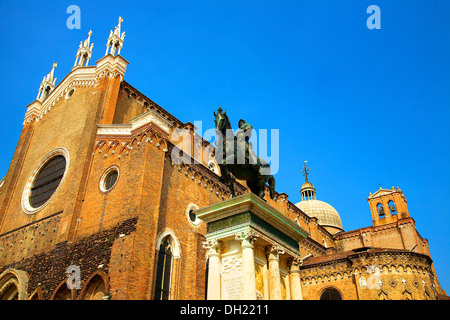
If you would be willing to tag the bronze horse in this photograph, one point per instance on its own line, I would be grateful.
(228, 145)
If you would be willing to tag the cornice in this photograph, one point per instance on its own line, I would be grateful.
(150, 104)
(375, 229)
(78, 77)
(108, 66)
(251, 202)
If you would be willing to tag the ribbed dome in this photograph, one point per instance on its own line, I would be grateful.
(307, 185)
(325, 213)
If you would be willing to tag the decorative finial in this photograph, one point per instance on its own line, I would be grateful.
(307, 191)
(305, 171)
(115, 40)
(84, 52)
(47, 84)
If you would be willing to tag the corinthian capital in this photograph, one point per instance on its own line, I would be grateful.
(213, 246)
(247, 238)
(274, 251)
(295, 263)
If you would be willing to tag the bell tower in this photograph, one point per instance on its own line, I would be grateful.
(387, 206)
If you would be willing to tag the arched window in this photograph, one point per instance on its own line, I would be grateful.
(13, 284)
(62, 292)
(380, 210)
(36, 295)
(330, 294)
(9, 291)
(392, 208)
(164, 270)
(95, 289)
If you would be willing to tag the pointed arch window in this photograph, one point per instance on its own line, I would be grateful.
(9, 291)
(164, 270)
(95, 288)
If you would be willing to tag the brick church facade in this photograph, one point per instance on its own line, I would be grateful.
(93, 195)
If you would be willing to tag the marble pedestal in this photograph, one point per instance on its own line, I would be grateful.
(252, 251)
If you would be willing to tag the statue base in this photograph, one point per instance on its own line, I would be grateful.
(252, 251)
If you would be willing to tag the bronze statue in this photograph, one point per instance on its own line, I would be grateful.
(236, 158)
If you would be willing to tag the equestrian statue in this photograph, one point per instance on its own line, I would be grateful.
(236, 158)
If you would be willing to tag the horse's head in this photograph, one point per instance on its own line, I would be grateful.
(221, 120)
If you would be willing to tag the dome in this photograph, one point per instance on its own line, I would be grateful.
(326, 215)
(307, 185)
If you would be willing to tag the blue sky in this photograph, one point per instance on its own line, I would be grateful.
(364, 107)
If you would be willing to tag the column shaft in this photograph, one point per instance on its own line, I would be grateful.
(213, 285)
(248, 265)
(294, 277)
(213, 277)
(274, 273)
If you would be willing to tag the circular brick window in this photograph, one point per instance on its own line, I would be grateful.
(191, 215)
(109, 179)
(45, 180)
(69, 93)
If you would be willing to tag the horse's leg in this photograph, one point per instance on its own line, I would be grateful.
(271, 181)
(262, 187)
(228, 179)
(256, 186)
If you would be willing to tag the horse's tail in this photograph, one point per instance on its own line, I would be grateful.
(271, 181)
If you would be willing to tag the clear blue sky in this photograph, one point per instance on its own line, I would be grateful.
(364, 107)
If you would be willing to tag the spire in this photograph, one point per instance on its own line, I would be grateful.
(84, 52)
(47, 84)
(307, 191)
(115, 40)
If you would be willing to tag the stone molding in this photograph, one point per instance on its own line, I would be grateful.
(108, 66)
(19, 278)
(359, 262)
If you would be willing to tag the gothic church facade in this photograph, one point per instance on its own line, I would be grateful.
(92, 195)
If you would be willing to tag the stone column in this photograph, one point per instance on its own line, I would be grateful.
(273, 253)
(213, 247)
(76, 60)
(248, 264)
(294, 277)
